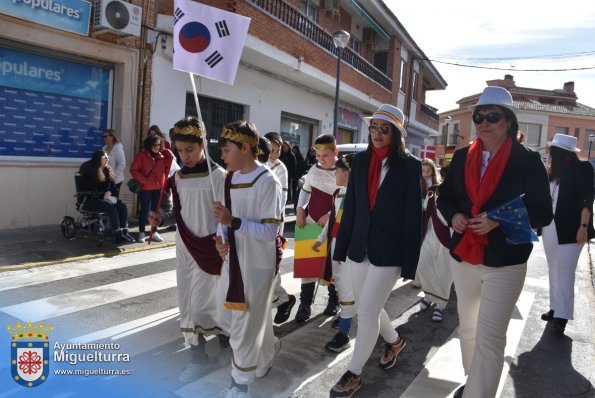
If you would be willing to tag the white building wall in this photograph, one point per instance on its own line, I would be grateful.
(265, 98)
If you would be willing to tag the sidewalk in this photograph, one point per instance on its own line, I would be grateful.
(29, 247)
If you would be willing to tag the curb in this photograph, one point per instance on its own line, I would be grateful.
(113, 253)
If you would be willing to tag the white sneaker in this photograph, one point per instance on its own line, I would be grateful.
(141, 237)
(261, 373)
(189, 374)
(234, 392)
(157, 237)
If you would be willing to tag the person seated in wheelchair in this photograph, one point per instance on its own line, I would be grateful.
(98, 179)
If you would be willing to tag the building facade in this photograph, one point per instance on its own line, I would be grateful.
(287, 75)
(541, 114)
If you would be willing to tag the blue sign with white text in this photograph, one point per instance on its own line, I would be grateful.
(70, 15)
(51, 108)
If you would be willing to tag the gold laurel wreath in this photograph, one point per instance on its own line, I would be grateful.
(189, 130)
(241, 138)
(320, 147)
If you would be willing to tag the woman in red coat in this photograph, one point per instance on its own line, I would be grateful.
(150, 168)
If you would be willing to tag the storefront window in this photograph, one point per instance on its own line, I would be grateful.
(51, 109)
(298, 131)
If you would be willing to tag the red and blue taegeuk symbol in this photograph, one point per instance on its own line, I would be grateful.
(194, 37)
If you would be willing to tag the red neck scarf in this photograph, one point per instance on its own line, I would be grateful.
(378, 155)
(471, 247)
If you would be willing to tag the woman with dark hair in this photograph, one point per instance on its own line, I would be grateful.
(99, 178)
(155, 131)
(310, 159)
(488, 272)
(571, 187)
(380, 232)
(150, 168)
(288, 159)
(429, 174)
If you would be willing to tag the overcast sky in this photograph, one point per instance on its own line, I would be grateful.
(455, 31)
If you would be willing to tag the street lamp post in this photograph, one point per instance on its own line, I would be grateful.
(340, 38)
(591, 139)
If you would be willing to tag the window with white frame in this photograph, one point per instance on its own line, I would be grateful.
(310, 8)
(414, 85)
(561, 130)
(532, 133)
(403, 75)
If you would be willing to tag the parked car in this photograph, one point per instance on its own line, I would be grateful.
(352, 148)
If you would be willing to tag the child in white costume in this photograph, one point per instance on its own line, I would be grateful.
(251, 216)
(317, 196)
(283, 301)
(341, 271)
(433, 269)
(198, 267)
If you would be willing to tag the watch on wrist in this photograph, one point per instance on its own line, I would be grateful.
(236, 223)
(584, 225)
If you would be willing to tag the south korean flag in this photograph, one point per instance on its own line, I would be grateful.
(208, 41)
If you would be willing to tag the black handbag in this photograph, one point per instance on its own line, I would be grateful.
(134, 186)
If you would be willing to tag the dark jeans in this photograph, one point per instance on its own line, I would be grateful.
(116, 192)
(118, 213)
(148, 201)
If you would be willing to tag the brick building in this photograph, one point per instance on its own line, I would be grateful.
(65, 77)
(542, 114)
(287, 76)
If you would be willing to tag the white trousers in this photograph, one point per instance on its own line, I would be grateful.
(280, 295)
(197, 297)
(251, 333)
(344, 285)
(372, 286)
(433, 269)
(562, 261)
(486, 297)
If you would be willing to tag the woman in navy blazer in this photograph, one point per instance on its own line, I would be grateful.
(381, 232)
(571, 187)
(488, 272)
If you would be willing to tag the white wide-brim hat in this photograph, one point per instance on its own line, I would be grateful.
(500, 96)
(391, 114)
(566, 142)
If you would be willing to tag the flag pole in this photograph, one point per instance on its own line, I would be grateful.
(206, 144)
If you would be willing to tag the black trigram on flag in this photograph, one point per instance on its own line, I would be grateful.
(222, 29)
(178, 14)
(213, 59)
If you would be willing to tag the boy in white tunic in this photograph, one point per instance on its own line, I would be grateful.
(198, 264)
(251, 216)
(317, 196)
(281, 299)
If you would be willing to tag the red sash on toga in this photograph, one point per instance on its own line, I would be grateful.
(442, 231)
(202, 250)
(320, 203)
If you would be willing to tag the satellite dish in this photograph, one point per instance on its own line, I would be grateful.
(117, 15)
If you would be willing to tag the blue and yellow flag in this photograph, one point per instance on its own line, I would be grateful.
(514, 220)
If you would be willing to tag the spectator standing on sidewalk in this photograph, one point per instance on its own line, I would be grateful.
(571, 187)
(150, 168)
(488, 272)
(288, 159)
(154, 130)
(380, 232)
(117, 159)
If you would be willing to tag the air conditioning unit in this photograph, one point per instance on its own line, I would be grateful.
(368, 35)
(331, 6)
(118, 17)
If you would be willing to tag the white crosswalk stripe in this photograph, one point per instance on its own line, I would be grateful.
(153, 340)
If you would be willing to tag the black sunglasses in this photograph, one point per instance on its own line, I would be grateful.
(385, 129)
(492, 117)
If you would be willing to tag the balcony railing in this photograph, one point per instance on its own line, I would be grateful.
(292, 17)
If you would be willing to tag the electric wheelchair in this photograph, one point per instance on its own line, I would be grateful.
(94, 221)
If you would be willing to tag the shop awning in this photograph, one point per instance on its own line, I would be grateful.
(368, 18)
